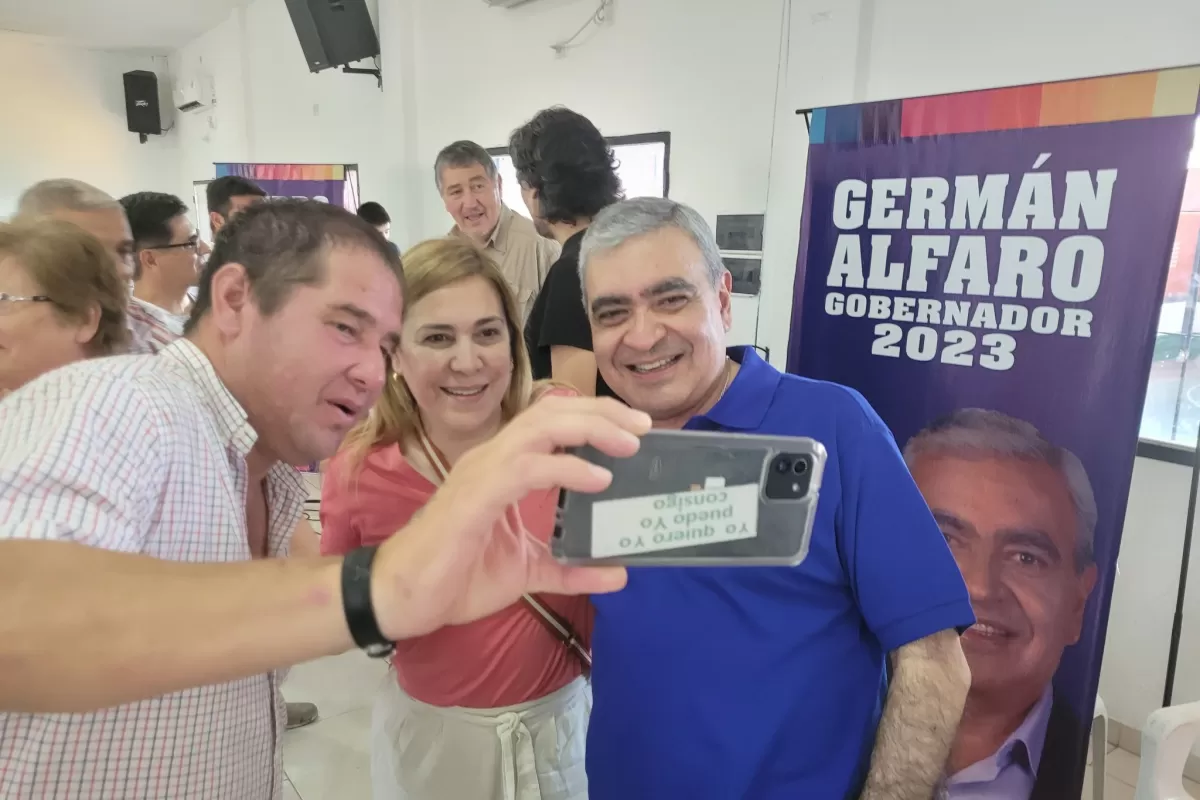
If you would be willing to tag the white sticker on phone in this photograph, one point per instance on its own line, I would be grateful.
(636, 525)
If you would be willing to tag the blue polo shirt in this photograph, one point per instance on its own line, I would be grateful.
(766, 683)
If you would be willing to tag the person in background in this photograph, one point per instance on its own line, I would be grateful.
(229, 195)
(376, 216)
(89, 208)
(764, 682)
(1020, 516)
(167, 265)
(503, 695)
(61, 300)
(567, 174)
(471, 190)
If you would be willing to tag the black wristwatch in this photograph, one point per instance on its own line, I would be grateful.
(356, 601)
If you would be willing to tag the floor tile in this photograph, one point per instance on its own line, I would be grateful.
(330, 760)
(1123, 766)
(336, 684)
(1131, 740)
(289, 792)
(1113, 788)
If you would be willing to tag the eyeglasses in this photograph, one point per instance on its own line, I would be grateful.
(190, 244)
(10, 301)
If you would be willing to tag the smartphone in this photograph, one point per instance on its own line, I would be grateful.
(695, 498)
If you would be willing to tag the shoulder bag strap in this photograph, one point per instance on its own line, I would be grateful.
(557, 626)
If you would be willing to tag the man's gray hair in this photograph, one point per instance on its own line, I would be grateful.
(981, 433)
(639, 216)
(463, 153)
(63, 194)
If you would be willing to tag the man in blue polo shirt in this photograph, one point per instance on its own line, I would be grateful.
(763, 683)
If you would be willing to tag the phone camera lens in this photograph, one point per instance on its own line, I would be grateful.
(800, 467)
(783, 466)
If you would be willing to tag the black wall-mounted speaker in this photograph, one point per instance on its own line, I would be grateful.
(333, 33)
(141, 102)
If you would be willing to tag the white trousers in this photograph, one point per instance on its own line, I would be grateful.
(530, 751)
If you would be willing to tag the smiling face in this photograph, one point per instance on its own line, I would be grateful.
(472, 197)
(659, 324)
(313, 368)
(455, 357)
(1012, 526)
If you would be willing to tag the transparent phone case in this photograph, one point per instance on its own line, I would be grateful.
(692, 498)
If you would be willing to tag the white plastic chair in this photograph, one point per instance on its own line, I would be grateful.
(1166, 744)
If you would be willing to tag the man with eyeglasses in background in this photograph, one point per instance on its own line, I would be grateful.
(166, 265)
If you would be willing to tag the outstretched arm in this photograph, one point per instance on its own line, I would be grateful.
(84, 628)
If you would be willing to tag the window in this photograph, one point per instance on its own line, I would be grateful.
(643, 165)
(1172, 410)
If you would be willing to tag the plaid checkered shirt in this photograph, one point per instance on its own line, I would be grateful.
(142, 454)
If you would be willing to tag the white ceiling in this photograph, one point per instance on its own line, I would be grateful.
(158, 25)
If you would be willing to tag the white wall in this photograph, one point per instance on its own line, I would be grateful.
(62, 115)
(706, 70)
(846, 51)
(270, 108)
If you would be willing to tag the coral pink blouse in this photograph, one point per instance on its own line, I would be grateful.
(501, 660)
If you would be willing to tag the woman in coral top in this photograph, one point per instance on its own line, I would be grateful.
(497, 709)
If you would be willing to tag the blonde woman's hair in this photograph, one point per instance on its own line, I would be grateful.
(76, 273)
(428, 267)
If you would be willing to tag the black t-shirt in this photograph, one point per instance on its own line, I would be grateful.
(558, 318)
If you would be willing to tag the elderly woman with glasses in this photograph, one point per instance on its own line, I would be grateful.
(61, 300)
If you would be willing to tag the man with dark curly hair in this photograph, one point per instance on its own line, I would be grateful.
(568, 174)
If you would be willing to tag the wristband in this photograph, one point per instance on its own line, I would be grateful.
(356, 602)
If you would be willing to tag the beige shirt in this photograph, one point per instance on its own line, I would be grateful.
(523, 255)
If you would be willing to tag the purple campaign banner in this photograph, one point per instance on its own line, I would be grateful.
(329, 183)
(325, 191)
(990, 279)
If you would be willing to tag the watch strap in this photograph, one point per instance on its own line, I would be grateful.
(357, 605)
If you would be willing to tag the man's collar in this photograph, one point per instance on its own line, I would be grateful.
(499, 237)
(574, 244)
(233, 424)
(1032, 732)
(745, 403)
(1024, 747)
(228, 415)
(173, 322)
